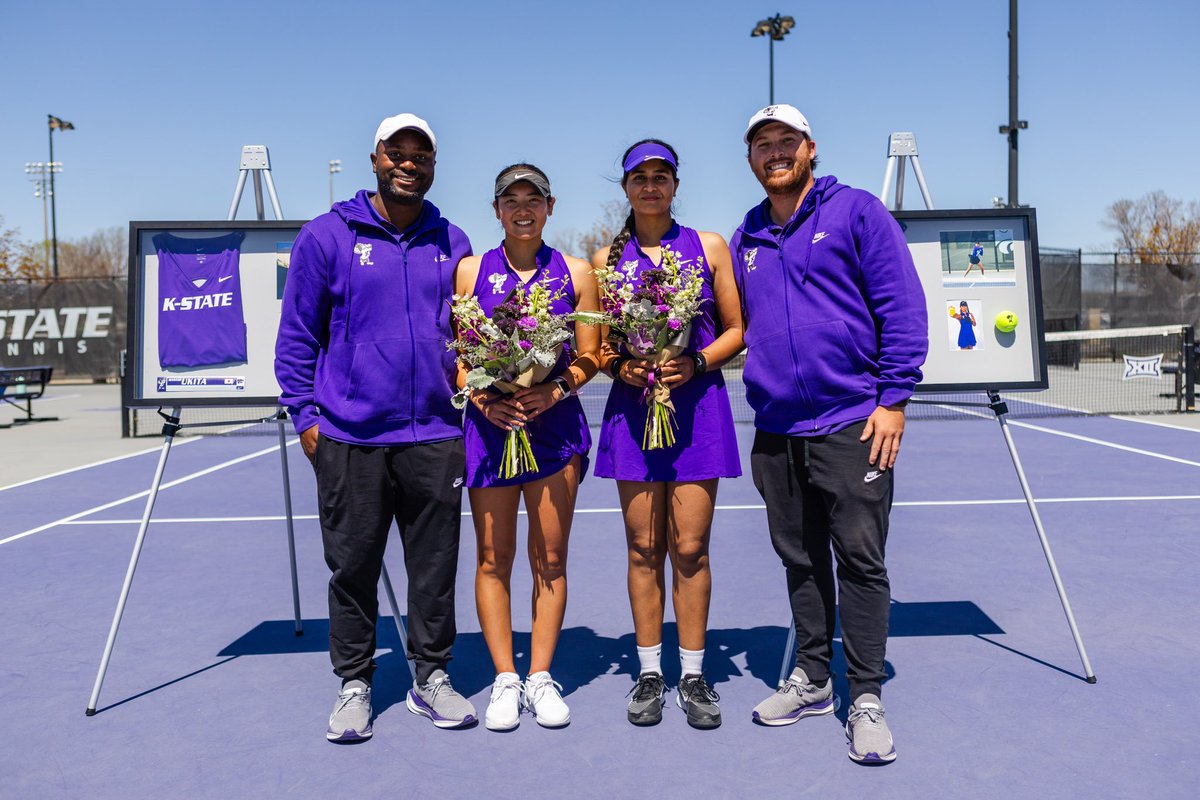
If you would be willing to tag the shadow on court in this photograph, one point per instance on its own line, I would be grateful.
(584, 655)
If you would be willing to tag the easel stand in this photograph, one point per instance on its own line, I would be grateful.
(903, 146)
(256, 160)
(1000, 408)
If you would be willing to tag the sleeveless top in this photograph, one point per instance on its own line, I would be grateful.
(966, 331)
(200, 320)
(557, 434)
(705, 444)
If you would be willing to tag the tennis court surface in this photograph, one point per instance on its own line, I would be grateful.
(209, 693)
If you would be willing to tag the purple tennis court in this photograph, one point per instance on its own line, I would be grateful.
(210, 694)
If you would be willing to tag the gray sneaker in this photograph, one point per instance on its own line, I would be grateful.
(870, 740)
(646, 703)
(797, 698)
(351, 717)
(438, 701)
(699, 700)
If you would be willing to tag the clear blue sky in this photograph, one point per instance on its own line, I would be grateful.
(163, 96)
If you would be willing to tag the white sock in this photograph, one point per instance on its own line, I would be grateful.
(650, 658)
(691, 662)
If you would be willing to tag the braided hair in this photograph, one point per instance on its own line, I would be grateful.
(626, 233)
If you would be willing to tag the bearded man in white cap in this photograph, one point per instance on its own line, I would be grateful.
(835, 329)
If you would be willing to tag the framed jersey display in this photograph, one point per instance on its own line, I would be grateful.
(204, 305)
(983, 294)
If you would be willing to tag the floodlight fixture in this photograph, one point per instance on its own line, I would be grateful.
(335, 165)
(774, 28)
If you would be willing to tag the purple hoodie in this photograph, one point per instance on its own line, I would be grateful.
(835, 313)
(366, 316)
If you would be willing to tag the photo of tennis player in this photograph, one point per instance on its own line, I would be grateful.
(962, 323)
(978, 258)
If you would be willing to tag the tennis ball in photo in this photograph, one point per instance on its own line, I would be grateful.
(1006, 322)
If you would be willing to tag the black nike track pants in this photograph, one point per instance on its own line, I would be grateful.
(820, 491)
(361, 490)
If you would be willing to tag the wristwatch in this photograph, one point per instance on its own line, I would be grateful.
(701, 362)
(563, 386)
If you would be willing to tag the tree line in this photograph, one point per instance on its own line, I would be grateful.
(1153, 229)
(1157, 229)
(101, 254)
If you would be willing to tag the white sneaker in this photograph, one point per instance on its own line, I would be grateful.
(543, 698)
(504, 708)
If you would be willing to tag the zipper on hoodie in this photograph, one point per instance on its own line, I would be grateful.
(780, 240)
(412, 349)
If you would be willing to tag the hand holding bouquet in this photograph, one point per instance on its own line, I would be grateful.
(652, 318)
(514, 349)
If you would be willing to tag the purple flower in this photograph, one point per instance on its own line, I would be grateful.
(674, 324)
(526, 344)
(527, 323)
(662, 308)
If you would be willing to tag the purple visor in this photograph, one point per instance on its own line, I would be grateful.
(645, 152)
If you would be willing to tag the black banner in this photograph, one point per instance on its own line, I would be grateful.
(75, 326)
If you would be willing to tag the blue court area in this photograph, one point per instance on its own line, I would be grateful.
(209, 693)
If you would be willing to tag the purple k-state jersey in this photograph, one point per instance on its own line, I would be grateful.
(200, 322)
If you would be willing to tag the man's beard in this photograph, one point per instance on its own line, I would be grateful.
(389, 192)
(791, 182)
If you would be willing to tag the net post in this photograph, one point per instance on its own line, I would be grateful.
(1190, 375)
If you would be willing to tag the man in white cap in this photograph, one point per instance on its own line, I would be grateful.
(836, 335)
(364, 371)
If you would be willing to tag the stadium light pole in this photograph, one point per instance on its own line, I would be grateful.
(775, 28)
(1014, 125)
(335, 165)
(40, 172)
(56, 124)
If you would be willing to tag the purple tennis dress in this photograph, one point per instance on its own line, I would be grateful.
(705, 445)
(557, 434)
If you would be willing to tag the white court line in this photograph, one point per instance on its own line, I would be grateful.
(98, 463)
(759, 507)
(1156, 423)
(1079, 437)
(1104, 443)
(144, 493)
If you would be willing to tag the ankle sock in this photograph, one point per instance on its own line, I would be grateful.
(650, 658)
(691, 662)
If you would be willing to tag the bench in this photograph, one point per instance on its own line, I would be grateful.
(20, 386)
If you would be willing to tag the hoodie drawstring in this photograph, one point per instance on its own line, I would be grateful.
(816, 228)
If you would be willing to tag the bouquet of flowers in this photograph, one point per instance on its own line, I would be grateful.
(515, 349)
(652, 319)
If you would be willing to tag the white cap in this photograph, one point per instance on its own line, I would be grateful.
(785, 114)
(393, 125)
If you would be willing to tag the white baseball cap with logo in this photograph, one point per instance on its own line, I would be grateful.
(785, 114)
(401, 122)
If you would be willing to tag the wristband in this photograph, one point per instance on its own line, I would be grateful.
(701, 362)
(615, 367)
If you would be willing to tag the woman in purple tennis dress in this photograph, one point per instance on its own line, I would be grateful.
(667, 495)
(558, 435)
